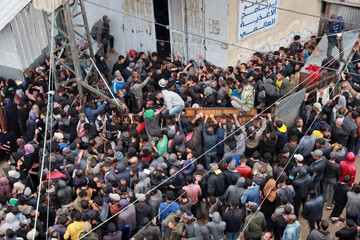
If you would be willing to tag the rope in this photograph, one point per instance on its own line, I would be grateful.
(47, 115)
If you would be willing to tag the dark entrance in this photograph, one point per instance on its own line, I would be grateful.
(161, 12)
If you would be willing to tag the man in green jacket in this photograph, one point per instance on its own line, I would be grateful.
(283, 84)
(246, 103)
(174, 226)
(255, 223)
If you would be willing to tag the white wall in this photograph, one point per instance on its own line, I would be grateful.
(129, 32)
(289, 25)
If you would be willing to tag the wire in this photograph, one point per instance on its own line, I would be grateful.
(315, 118)
(199, 156)
(297, 12)
(47, 115)
(195, 34)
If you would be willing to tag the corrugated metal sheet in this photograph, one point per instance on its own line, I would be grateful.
(350, 14)
(9, 9)
(23, 39)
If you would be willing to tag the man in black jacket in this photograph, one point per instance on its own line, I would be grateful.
(340, 196)
(216, 181)
(302, 185)
(348, 232)
(232, 217)
(331, 176)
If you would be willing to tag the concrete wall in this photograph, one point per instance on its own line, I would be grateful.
(289, 25)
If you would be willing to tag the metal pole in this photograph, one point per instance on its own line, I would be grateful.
(73, 48)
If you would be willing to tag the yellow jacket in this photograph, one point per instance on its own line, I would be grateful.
(73, 230)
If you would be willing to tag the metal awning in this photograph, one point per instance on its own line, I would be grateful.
(9, 9)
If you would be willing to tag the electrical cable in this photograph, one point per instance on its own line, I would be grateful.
(195, 34)
(198, 157)
(47, 116)
(297, 12)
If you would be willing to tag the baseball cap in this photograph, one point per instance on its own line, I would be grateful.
(299, 157)
(334, 16)
(317, 153)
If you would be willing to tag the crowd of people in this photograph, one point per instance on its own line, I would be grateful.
(86, 168)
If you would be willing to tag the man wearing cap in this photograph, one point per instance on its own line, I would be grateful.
(334, 30)
(118, 83)
(317, 169)
(100, 32)
(299, 159)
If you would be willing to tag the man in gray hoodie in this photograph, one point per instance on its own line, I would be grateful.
(321, 233)
(216, 227)
(192, 230)
(234, 192)
(63, 195)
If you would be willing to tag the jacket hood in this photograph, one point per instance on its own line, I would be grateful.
(4, 181)
(216, 217)
(142, 176)
(350, 157)
(342, 101)
(302, 172)
(61, 183)
(120, 167)
(321, 235)
(240, 182)
(283, 128)
(10, 218)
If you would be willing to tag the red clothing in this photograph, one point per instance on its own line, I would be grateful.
(55, 175)
(245, 171)
(113, 210)
(193, 192)
(347, 168)
(140, 127)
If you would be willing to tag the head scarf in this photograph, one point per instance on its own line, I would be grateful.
(270, 190)
(29, 149)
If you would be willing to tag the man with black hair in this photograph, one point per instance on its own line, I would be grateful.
(295, 46)
(74, 229)
(232, 218)
(193, 191)
(119, 65)
(246, 102)
(168, 207)
(283, 85)
(348, 232)
(321, 233)
(281, 221)
(313, 209)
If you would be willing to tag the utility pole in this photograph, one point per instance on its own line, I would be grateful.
(70, 12)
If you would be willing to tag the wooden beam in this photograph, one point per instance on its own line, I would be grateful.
(97, 92)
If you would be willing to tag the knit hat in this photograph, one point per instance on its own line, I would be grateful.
(114, 196)
(117, 73)
(299, 157)
(173, 159)
(140, 197)
(178, 139)
(149, 113)
(19, 187)
(317, 106)
(59, 136)
(27, 192)
(162, 165)
(111, 228)
(317, 153)
(14, 174)
(187, 216)
(232, 165)
(171, 134)
(13, 201)
(87, 226)
(31, 234)
(124, 203)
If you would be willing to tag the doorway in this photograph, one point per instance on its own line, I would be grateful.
(161, 13)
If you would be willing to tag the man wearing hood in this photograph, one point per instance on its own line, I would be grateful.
(143, 210)
(347, 168)
(192, 230)
(281, 132)
(321, 233)
(210, 139)
(63, 195)
(122, 172)
(216, 227)
(11, 222)
(234, 192)
(143, 185)
(302, 184)
(112, 234)
(268, 93)
(127, 216)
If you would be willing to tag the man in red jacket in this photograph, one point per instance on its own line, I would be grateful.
(348, 168)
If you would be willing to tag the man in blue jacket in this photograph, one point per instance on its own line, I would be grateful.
(334, 30)
(313, 209)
